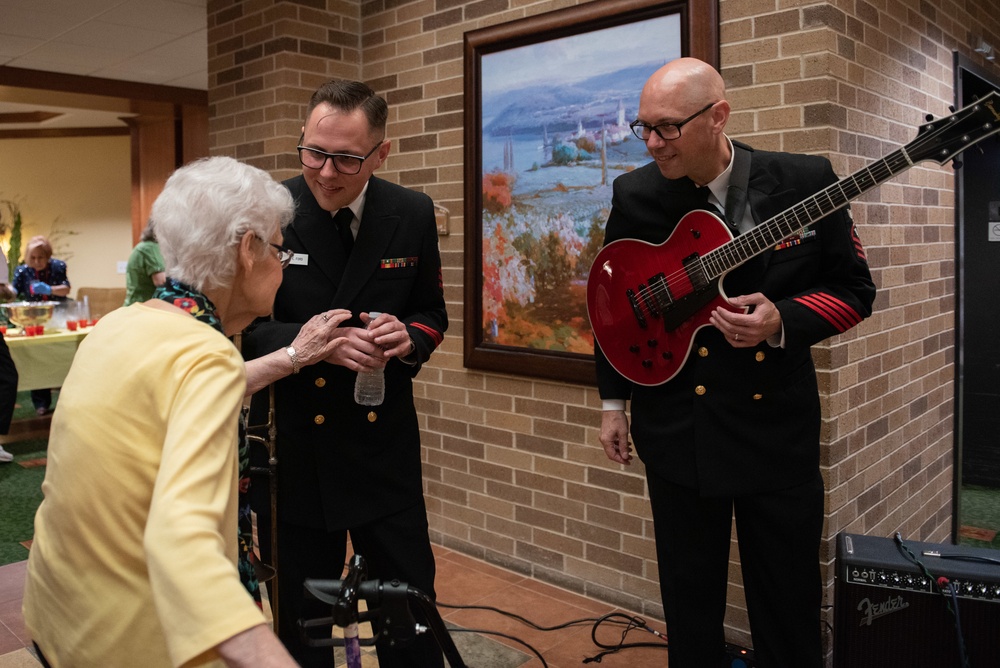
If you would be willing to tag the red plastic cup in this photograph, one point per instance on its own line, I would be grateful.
(93, 322)
(71, 325)
(81, 323)
(29, 330)
(39, 329)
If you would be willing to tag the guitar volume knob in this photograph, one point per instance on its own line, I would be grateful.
(647, 364)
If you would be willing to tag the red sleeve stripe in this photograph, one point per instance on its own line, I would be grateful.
(431, 332)
(835, 311)
(858, 247)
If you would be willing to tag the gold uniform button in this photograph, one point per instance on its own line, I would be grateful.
(703, 352)
(321, 382)
(759, 356)
(700, 390)
(372, 416)
(319, 419)
(758, 397)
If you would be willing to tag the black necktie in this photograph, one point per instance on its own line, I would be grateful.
(703, 195)
(343, 221)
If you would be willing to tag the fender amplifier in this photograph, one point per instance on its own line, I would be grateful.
(887, 612)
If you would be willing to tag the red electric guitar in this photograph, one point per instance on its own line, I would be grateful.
(647, 301)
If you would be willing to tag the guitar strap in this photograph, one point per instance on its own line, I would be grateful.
(736, 196)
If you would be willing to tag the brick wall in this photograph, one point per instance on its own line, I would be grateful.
(513, 469)
(853, 80)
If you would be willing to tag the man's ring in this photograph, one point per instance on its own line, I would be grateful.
(736, 337)
(325, 317)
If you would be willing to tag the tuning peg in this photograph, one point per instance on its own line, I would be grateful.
(957, 164)
(929, 117)
(951, 108)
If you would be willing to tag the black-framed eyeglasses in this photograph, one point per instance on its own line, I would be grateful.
(284, 255)
(665, 131)
(345, 163)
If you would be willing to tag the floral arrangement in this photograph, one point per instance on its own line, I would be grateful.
(10, 221)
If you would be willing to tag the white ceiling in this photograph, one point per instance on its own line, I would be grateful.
(161, 42)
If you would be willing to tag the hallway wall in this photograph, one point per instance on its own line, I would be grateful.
(514, 473)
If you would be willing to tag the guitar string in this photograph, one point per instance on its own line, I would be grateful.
(714, 263)
(733, 253)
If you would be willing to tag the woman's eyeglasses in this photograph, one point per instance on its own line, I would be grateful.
(284, 255)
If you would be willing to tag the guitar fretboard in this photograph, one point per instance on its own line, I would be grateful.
(836, 196)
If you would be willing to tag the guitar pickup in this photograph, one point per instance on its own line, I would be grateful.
(649, 300)
(636, 308)
(660, 293)
(695, 271)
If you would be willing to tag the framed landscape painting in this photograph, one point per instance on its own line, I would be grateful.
(548, 100)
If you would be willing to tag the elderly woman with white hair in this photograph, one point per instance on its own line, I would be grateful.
(134, 556)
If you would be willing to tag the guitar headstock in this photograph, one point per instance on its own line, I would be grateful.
(943, 139)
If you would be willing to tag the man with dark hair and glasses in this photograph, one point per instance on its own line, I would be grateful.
(363, 244)
(736, 432)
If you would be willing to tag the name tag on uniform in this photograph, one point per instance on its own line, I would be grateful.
(300, 258)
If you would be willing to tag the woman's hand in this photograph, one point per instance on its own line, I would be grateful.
(320, 336)
(318, 339)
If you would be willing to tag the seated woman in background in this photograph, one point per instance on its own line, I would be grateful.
(145, 270)
(134, 559)
(40, 278)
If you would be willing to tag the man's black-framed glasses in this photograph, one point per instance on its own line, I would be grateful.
(284, 255)
(665, 131)
(345, 163)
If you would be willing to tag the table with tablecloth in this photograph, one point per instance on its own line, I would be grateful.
(43, 361)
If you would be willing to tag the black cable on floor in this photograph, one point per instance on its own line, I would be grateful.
(628, 622)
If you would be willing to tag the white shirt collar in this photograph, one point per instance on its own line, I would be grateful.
(720, 184)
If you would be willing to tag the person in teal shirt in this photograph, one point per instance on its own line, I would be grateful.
(145, 270)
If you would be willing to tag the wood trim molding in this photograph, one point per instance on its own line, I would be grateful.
(64, 132)
(72, 83)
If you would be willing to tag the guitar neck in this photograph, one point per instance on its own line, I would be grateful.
(836, 196)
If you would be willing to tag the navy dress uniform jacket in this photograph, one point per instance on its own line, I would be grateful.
(341, 464)
(743, 420)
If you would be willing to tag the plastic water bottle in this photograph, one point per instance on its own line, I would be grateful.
(369, 388)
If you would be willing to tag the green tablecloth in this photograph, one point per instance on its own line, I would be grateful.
(43, 361)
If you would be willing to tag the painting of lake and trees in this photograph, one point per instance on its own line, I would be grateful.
(555, 135)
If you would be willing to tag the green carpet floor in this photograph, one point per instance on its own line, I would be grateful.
(20, 494)
(20, 488)
(980, 509)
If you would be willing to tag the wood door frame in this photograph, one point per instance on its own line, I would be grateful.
(168, 126)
